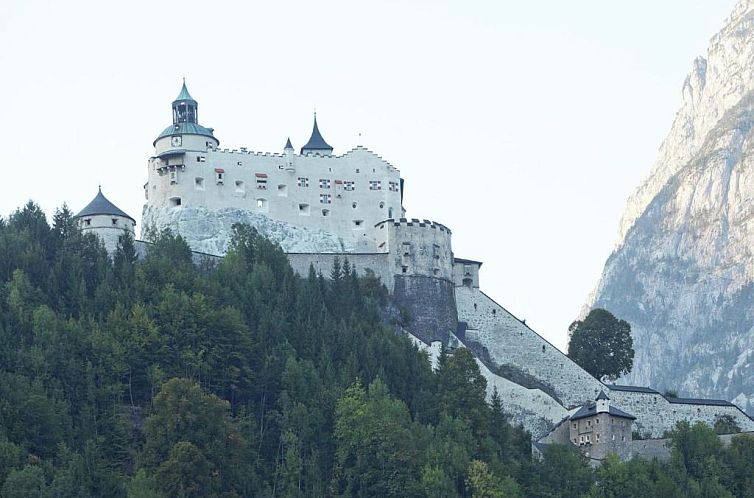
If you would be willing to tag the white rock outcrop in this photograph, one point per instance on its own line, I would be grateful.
(209, 231)
(682, 271)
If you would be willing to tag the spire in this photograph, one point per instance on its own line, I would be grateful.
(184, 95)
(602, 395)
(288, 144)
(316, 143)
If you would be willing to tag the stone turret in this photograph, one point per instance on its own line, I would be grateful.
(104, 219)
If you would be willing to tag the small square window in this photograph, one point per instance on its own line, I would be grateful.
(325, 198)
(324, 183)
(115, 221)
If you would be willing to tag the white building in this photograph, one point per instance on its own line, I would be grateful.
(343, 195)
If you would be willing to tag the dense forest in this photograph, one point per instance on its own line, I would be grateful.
(164, 378)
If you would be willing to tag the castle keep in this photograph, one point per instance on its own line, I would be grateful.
(320, 206)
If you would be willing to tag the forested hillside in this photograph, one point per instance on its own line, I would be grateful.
(162, 378)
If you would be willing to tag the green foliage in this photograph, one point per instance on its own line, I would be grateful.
(602, 345)
(158, 377)
(726, 424)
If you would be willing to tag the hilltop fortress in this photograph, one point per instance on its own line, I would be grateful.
(319, 206)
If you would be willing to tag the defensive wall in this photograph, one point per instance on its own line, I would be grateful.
(656, 413)
(510, 343)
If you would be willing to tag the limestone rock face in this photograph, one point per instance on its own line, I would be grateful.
(682, 271)
(209, 231)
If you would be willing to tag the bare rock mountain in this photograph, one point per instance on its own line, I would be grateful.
(682, 271)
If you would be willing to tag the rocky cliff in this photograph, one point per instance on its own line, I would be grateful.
(209, 231)
(682, 272)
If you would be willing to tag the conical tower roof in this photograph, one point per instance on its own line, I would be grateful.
(288, 144)
(101, 206)
(184, 95)
(316, 142)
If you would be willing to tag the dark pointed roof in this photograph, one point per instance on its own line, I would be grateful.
(590, 409)
(288, 144)
(316, 142)
(184, 95)
(602, 395)
(100, 205)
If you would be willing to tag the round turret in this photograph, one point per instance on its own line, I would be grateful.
(104, 219)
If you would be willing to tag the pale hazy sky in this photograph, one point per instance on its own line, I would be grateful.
(521, 125)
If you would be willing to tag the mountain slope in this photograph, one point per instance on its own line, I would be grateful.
(682, 272)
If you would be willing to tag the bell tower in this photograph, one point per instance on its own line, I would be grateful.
(185, 108)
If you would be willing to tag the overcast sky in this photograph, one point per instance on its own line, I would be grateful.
(522, 125)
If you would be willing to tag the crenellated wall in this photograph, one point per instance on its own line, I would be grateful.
(343, 195)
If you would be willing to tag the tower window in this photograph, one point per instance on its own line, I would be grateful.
(173, 178)
(354, 204)
(220, 177)
(382, 205)
(375, 185)
(349, 185)
(199, 183)
(88, 221)
(201, 159)
(302, 182)
(115, 221)
(262, 204)
(303, 209)
(240, 186)
(283, 190)
(393, 186)
(325, 212)
(325, 198)
(324, 183)
(174, 201)
(358, 223)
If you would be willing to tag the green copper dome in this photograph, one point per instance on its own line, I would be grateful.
(186, 129)
(185, 118)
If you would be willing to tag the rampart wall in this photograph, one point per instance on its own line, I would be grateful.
(656, 414)
(323, 263)
(510, 342)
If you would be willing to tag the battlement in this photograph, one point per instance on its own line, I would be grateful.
(414, 222)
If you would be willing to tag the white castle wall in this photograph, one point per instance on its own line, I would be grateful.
(510, 342)
(109, 228)
(655, 414)
(363, 189)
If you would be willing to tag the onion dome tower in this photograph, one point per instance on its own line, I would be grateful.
(106, 220)
(316, 144)
(185, 132)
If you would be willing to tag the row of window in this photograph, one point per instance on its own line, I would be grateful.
(349, 185)
(587, 439)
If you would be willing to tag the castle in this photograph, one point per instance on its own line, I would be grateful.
(320, 206)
